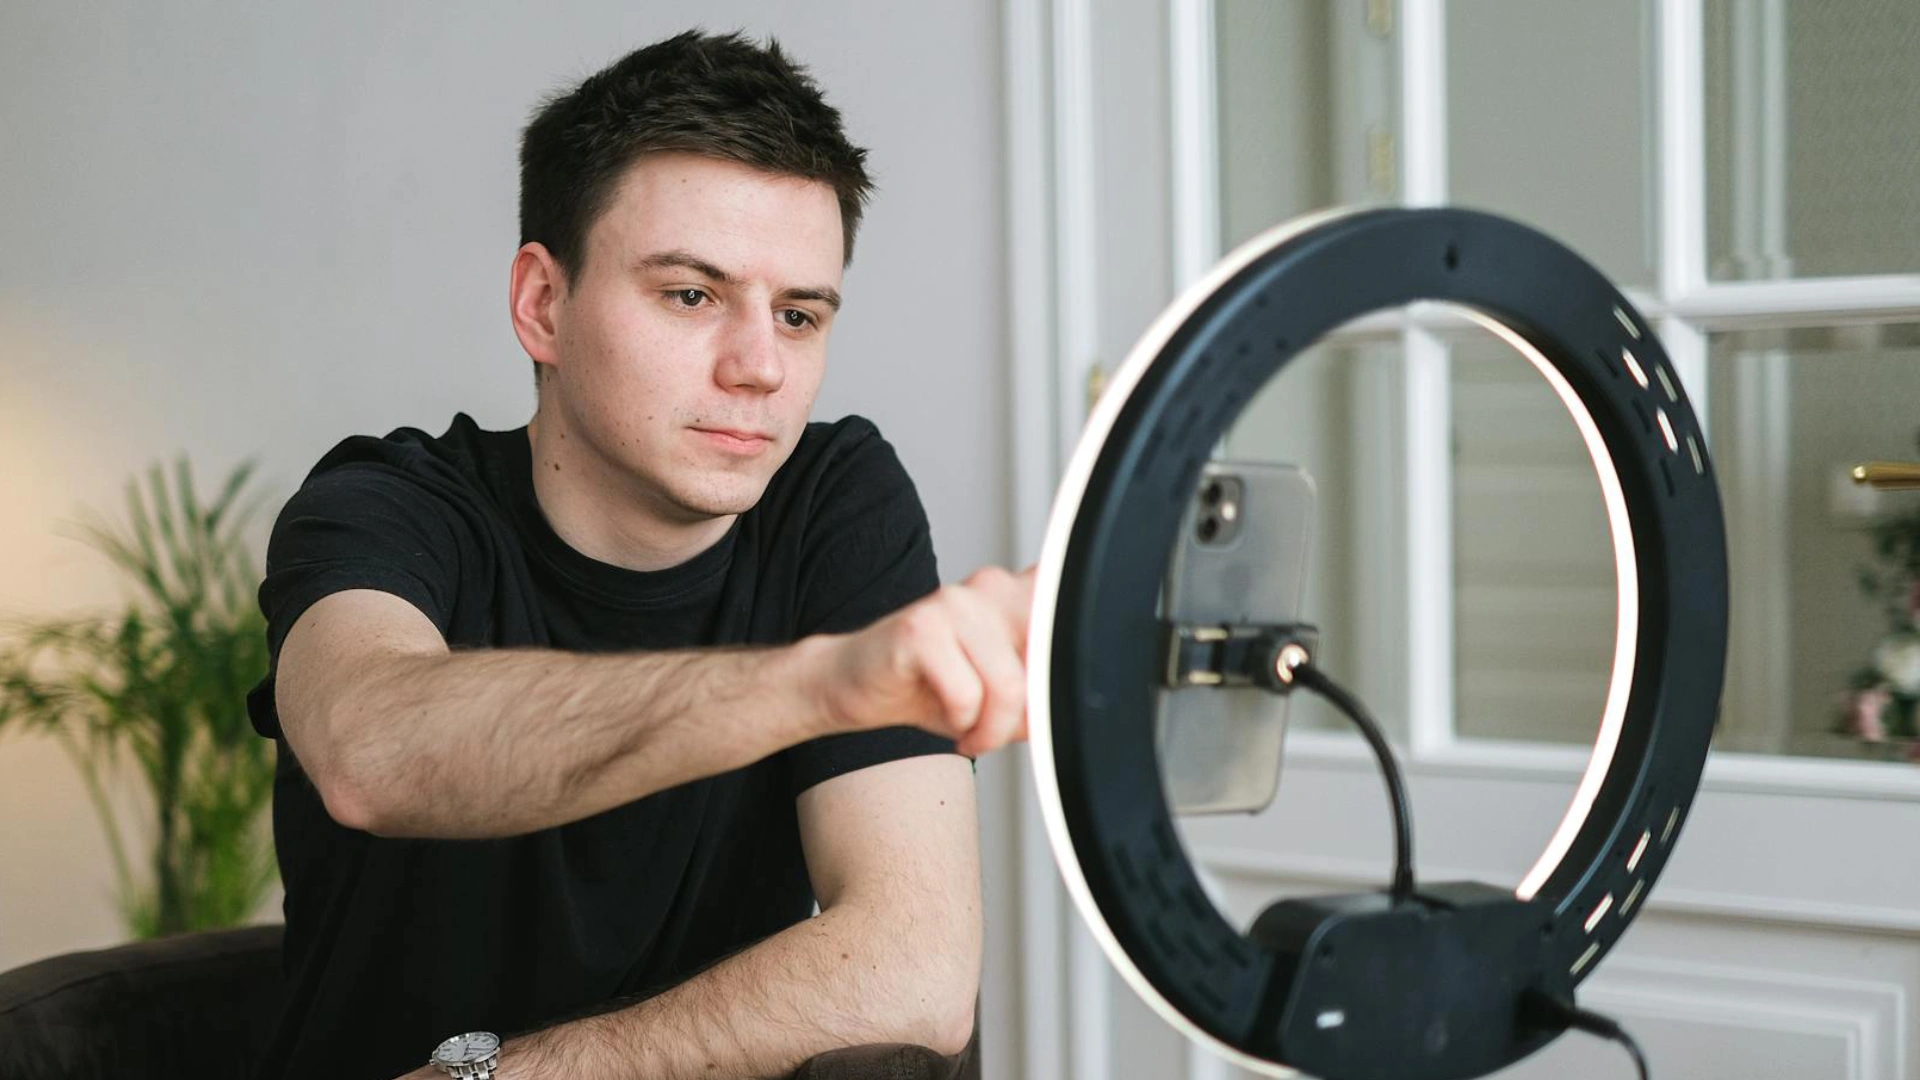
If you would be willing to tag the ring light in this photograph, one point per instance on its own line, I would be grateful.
(1358, 986)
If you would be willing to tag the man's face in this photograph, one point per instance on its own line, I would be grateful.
(693, 340)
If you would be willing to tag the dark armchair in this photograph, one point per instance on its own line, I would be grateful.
(201, 1006)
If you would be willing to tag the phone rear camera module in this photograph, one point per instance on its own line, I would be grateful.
(1217, 518)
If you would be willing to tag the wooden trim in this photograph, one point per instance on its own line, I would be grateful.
(1195, 115)
(1032, 382)
(1759, 774)
(1682, 104)
(1322, 872)
(1423, 102)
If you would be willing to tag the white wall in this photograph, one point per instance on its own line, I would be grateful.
(234, 229)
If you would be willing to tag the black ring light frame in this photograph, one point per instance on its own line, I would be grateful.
(1355, 986)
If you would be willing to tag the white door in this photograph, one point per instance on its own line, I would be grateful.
(1744, 169)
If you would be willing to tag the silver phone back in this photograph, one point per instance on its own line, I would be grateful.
(1220, 747)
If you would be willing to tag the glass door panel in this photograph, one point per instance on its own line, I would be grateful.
(1825, 583)
(1550, 120)
(1812, 138)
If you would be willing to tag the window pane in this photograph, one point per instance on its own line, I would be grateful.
(1550, 121)
(1818, 612)
(1306, 111)
(1535, 600)
(1824, 575)
(1813, 138)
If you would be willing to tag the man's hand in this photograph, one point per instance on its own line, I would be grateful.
(953, 663)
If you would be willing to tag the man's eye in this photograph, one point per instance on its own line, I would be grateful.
(796, 319)
(688, 297)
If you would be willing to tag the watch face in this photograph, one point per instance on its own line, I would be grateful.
(466, 1049)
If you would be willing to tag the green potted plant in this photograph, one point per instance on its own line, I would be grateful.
(163, 681)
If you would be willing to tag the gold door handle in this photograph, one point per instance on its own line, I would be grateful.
(1096, 385)
(1888, 475)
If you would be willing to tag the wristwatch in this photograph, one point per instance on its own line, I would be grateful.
(472, 1056)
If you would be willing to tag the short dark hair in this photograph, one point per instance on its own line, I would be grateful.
(721, 96)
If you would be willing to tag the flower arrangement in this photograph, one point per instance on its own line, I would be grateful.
(1882, 705)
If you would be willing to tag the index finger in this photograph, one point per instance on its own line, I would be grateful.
(1012, 597)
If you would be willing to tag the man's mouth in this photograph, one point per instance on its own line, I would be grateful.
(735, 440)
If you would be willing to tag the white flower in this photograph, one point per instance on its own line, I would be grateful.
(1898, 659)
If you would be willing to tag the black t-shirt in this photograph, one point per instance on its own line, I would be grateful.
(393, 945)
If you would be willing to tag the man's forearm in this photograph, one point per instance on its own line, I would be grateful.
(844, 978)
(501, 742)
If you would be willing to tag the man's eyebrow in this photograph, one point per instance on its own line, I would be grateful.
(821, 293)
(689, 261)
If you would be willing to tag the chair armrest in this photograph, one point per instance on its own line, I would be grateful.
(198, 1004)
(891, 1061)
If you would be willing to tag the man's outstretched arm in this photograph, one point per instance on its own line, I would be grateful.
(893, 957)
(404, 737)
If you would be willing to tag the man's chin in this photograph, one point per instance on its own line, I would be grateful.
(718, 502)
(705, 489)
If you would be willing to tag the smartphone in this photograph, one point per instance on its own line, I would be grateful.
(1240, 559)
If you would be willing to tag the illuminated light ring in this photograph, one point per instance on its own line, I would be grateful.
(1093, 661)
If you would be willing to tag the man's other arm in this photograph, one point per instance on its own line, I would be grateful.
(893, 957)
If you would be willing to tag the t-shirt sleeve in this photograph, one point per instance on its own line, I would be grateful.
(868, 552)
(354, 527)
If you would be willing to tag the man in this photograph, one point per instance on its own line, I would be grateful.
(581, 720)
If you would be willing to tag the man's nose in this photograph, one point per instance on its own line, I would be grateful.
(750, 356)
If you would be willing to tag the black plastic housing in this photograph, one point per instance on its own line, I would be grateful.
(1366, 990)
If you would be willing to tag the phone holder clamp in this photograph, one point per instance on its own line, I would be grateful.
(1211, 654)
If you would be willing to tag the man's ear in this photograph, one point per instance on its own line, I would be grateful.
(535, 294)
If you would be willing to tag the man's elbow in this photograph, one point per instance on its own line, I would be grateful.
(947, 992)
(351, 801)
(354, 793)
(929, 986)
(952, 1027)
(379, 807)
